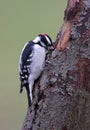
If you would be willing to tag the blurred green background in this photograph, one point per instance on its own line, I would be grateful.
(20, 21)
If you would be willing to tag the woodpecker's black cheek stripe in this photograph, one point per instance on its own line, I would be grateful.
(49, 39)
(43, 39)
(46, 40)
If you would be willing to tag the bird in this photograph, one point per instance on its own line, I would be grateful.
(32, 62)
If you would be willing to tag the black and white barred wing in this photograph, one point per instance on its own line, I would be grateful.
(24, 64)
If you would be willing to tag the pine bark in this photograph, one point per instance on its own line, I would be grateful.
(62, 94)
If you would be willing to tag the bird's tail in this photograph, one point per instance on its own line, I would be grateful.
(21, 88)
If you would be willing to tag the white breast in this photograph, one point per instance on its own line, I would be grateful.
(38, 61)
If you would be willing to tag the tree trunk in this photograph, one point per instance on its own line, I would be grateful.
(62, 94)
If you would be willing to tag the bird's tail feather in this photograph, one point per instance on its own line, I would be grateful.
(21, 88)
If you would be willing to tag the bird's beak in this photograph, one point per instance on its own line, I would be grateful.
(51, 48)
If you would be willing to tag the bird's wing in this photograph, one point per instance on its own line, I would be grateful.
(26, 54)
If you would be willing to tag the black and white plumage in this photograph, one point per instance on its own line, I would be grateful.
(32, 61)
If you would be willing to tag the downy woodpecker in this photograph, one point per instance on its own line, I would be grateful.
(32, 61)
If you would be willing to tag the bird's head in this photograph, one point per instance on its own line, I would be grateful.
(43, 40)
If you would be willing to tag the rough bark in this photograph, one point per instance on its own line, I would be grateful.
(62, 94)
